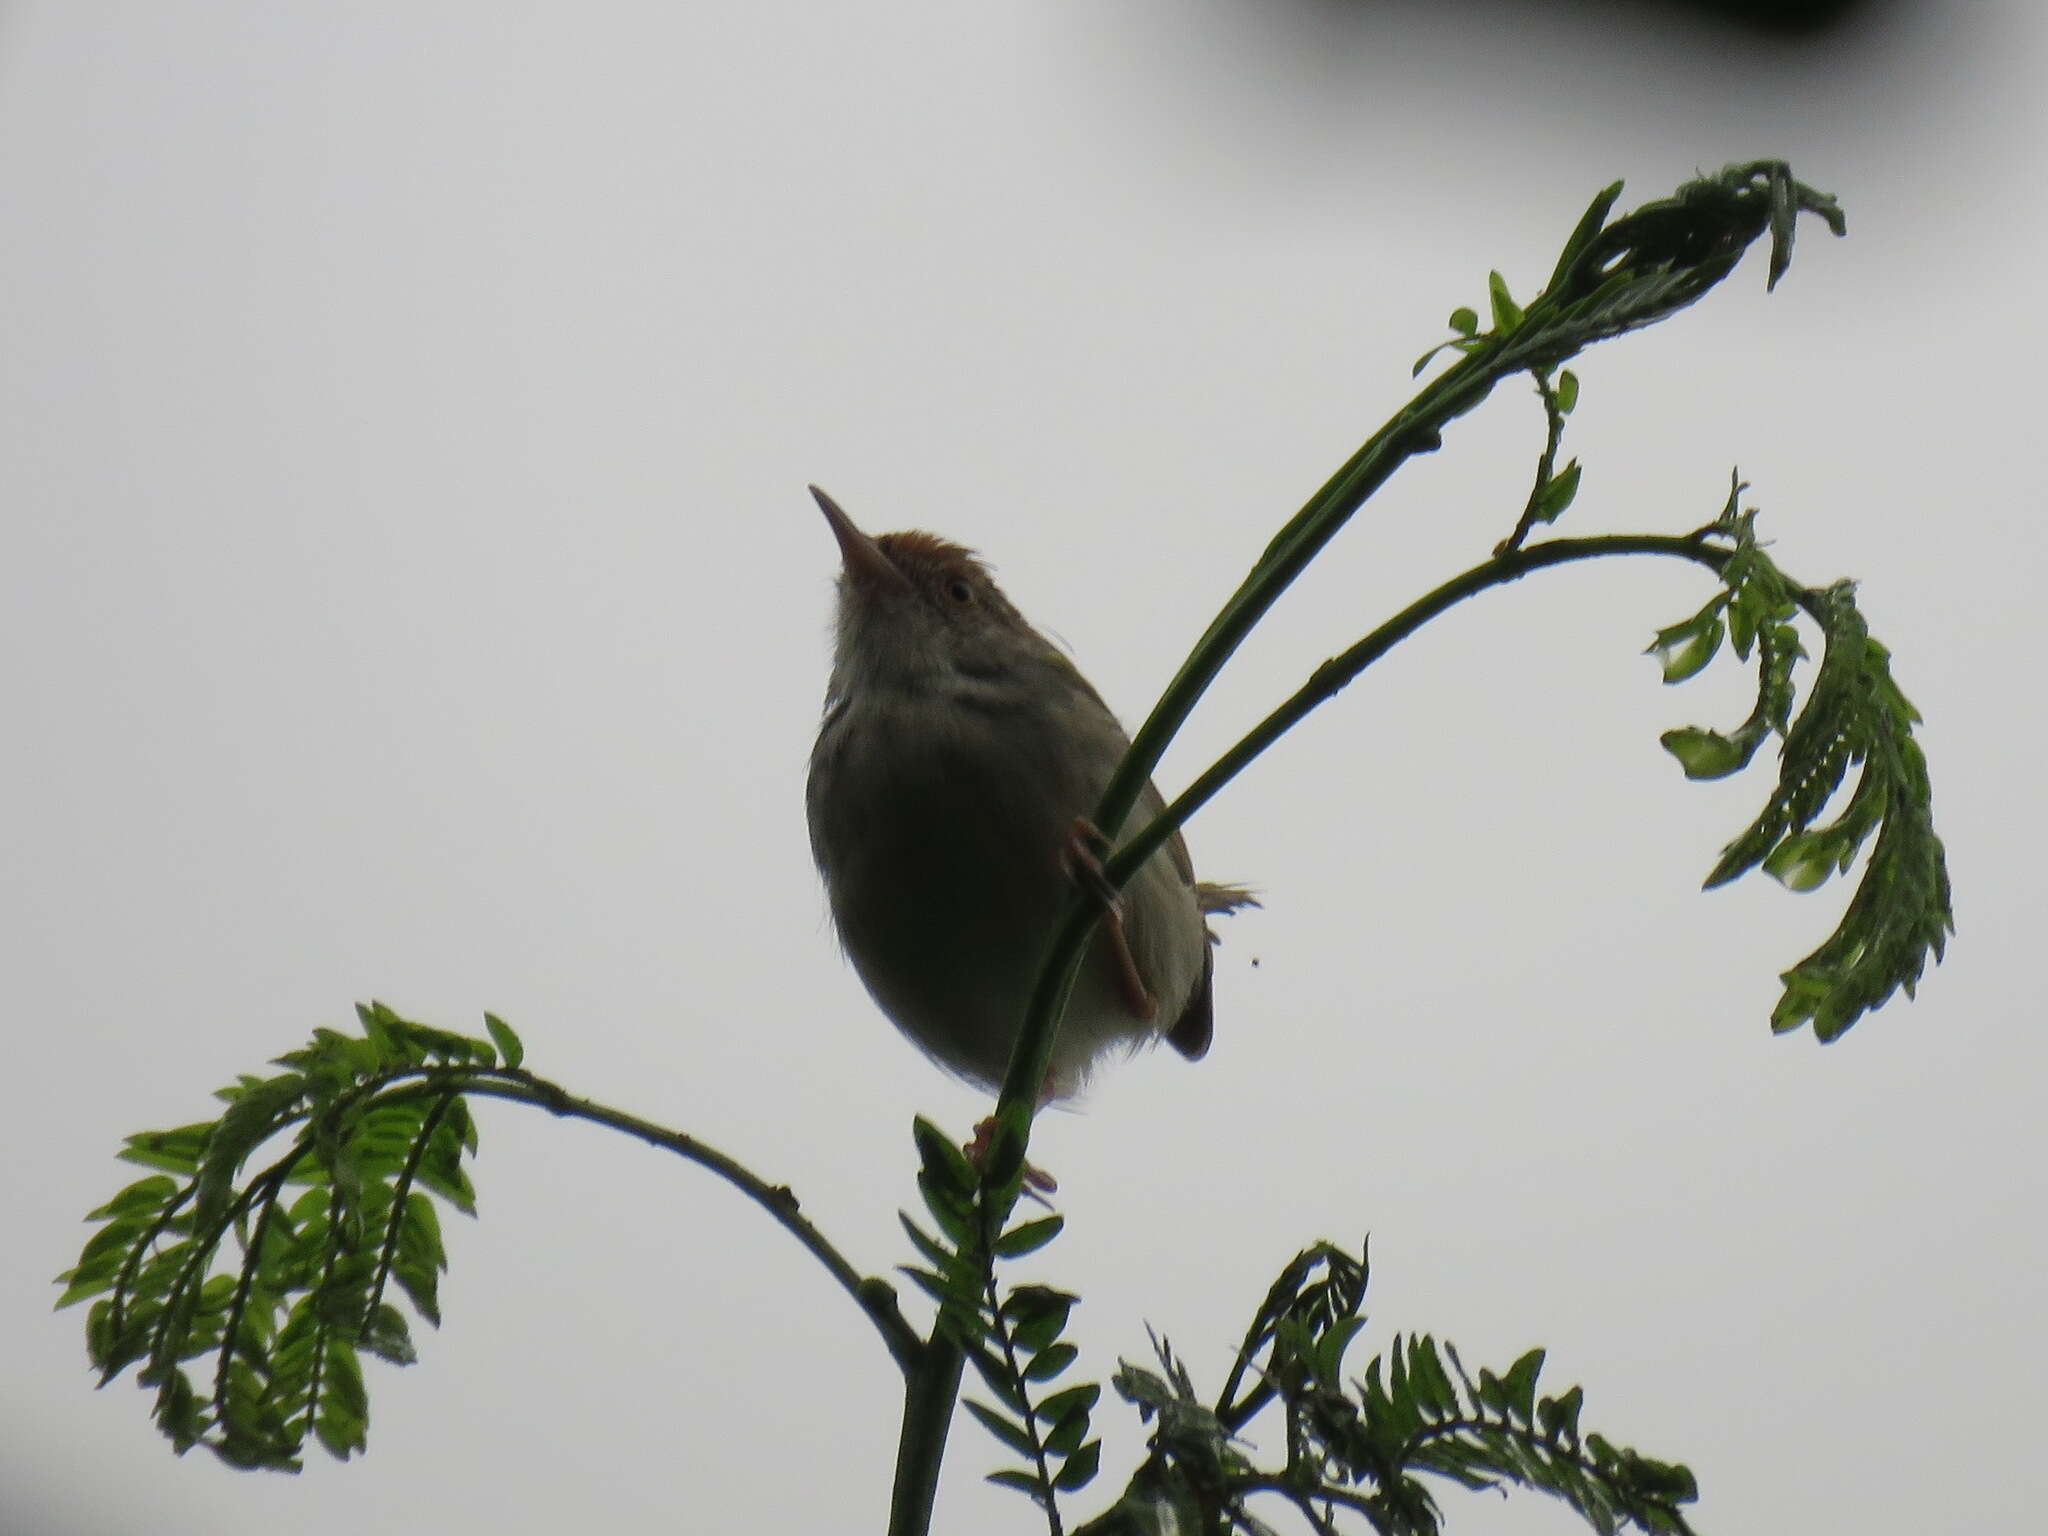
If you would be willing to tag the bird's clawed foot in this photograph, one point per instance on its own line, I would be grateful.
(1085, 851)
(1037, 1182)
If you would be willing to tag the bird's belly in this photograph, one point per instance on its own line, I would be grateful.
(949, 835)
(946, 895)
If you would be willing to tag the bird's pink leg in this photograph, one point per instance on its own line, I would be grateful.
(1083, 859)
(1037, 1182)
(1084, 862)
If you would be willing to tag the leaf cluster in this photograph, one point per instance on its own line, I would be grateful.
(1619, 276)
(1356, 1450)
(320, 1242)
(1014, 1339)
(1855, 717)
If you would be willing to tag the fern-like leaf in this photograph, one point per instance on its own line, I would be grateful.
(319, 1242)
(1855, 720)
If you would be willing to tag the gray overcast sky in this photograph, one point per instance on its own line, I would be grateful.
(410, 592)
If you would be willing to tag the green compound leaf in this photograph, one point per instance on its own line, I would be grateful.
(1856, 729)
(1375, 1444)
(1684, 650)
(175, 1151)
(1050, 1362)
(1036, 1315)
(998, 1424)
(1080, 1468)
(510, 1049)
(1029, 1237)
(1026, 1483)
(1507, 314)
(1557, 493)
(1070, 1402)
(1705, 754)
(1416, 1417)
(272, 1248)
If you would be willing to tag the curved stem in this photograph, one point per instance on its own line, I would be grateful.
(387, 1251)
(1416, 428)
(1063, 961)
(1546, 465)
(1265, 1483)
(1335, 674)
(238, 1305)
(1609, 279)
(875, 1297)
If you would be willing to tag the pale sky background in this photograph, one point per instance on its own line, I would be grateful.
(410, 592)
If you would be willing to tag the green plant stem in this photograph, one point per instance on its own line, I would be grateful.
(930, 1391)
(931, 1370)
(1335, 674)
(238, 1306)
(1678, 250)
(994, 1301)
(1546, 465)
(1416, 428)
(1303, 1497)
(395, 1222)
(874, 1297)
(1610, 277)
(1056, 978)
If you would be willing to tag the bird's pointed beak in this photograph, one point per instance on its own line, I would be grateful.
(861, 556)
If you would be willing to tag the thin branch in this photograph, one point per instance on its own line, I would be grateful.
(1610, 278)
(874, 1297)
(204, 1244)
(1266, 1483)
(1334, 675)
(238, 1305)
(1233, 1413)
(401, 1190)
(1546, 465)
(1415, 429)
(1016, 1375)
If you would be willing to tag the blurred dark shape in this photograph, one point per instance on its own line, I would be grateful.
(1792, 17)
(1773, 18)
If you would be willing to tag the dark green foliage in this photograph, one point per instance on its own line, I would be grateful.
(1013, 1340)
(322, 1237)
(1612, 278)
(1359, 1449)
(1855, 717)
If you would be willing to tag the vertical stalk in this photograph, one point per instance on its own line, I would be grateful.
(929, 1392)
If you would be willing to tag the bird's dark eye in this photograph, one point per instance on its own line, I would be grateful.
(960, 591)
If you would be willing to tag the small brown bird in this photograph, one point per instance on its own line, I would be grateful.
(959, 757)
